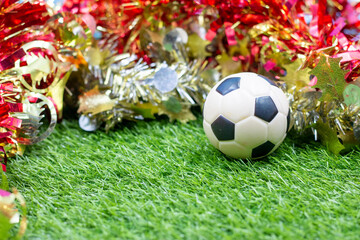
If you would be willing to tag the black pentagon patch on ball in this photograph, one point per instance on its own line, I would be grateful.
(268, 80)
(262, 150)
(265, 108)
(223, 129)
(228, 85)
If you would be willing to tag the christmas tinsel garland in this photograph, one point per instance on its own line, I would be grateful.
(114, 60)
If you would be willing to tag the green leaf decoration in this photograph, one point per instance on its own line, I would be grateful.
(328, 137)
(330, 78)
(173, 105)
(352, 95)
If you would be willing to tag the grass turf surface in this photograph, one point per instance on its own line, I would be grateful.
(156, 180)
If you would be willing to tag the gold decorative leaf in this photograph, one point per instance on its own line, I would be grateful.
(197, 46)
(328, 137)
(147, 110)
(295, 76)
(184, 116)
(228, 65)
(95, 102)
(57, 93)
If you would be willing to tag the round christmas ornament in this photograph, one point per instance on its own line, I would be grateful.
(246, 116)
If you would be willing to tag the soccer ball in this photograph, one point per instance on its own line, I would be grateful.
(246, 116)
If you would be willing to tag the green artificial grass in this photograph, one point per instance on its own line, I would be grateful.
(156, 180)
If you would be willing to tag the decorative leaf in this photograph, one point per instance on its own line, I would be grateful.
(95, 102)
(211, 75)
(147, 110)
(96, 56)
(154, 36)
(329, 138)
(184, 116)
(241, 48)
(330, 78)
(348, 140)
(57, 92)
(228, 65)
(173, 105)
(197, 46)
(352, 95)
(296, 76)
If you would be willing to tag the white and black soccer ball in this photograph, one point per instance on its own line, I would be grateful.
(246, 116)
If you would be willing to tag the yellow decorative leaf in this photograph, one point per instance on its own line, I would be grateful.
(328, 137)
(154, 36)
(228, 65)
(57, 93)
(95, 102)
(147, 110)
(184, 116)
(197, 46)
(242, 48)
(296, 76)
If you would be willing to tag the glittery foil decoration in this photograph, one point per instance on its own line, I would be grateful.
(19, 23)
(308, 111)
(31, 118)
(21, 118)
(9, 124)
(30, 66)
(124, 86)
(38, 69)
(121, 22)
(131, 89)
(283, 40)
(165, 80)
